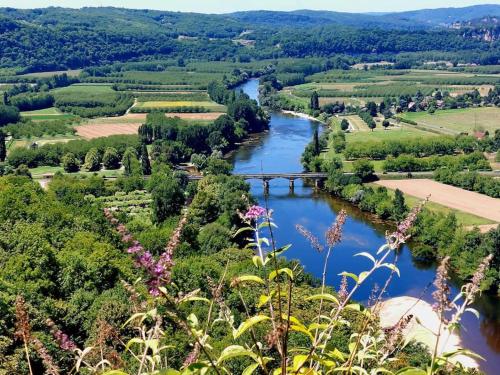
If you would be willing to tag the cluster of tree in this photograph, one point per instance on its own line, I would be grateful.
(408, 163)
(32, 101)
(333, 108)
(174, 140)
(29, 129)
(311, 159)
(93, 104)
(59, 253)
(76, 151)
(367, 117)
(493, 96)
(35, 96)
(135, 164)
(442, 145)
(438, 235)
(469, 180)
(173, 109)
(240, 107)
(9, 115)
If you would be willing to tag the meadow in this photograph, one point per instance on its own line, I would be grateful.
(358, 86)
(205, 106)
(457, 121)
(51, 113)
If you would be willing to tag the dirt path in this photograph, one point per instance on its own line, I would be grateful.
(449, 196)
(133, 105)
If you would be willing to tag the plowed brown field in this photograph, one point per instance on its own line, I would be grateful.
(449, 196)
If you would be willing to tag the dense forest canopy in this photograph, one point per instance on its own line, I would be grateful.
(60, 38)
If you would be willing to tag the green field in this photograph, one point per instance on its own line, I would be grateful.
(373, 84)
(392, 133)
(85, 88)
(455, 121)
(206, 105)
(70, 73)
(40, 171)
(47, 114)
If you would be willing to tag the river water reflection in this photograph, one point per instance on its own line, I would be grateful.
(279, 150)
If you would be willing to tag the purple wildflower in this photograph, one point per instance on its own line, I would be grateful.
(442, 293)
(334, 233)
(159, 271)
(62, 339)
(313, 240)
(400, 236)
(254, 212)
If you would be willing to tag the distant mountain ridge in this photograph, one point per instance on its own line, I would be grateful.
(417, 19)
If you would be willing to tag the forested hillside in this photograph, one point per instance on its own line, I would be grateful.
(59, 38)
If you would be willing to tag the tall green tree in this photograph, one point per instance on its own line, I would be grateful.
(145, 163)
(166, 193)
(399, 206)
(130, 162)
(317, 147)
(111, 159)
(70, 163)
(3, 147)
(92, 160)
(314, 101)
(344, 124)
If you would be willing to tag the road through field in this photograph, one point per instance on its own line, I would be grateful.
(449, 196)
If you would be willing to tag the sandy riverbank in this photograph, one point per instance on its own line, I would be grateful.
(423, 327)
(302, 115)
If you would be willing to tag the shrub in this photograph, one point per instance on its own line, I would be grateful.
(93, 160)
(363, 169)
(8, 114)
(111, 158)
(70, 163)
(214, 238)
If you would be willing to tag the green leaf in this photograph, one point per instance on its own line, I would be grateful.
(250, 369)
(277, 252)
(474, 311)
(382, 248)
(192, 320)
(134, 340)
(241, 230)
(169, 372)
(257, 261)
(366, 255)
(249, 278)
(264, 298)
(249, 323)
(392, 267)
(336, 354)
(353, 306)
(362, 276)
(288, 271)
(302, 329)
(234, 351)
(298, 361)
(263, 240)
(115, 372)
(411, 371)
(351, 275)
(325, 296)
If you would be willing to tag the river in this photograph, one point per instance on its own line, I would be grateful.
(279, 150)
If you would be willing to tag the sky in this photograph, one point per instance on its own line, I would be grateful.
(225, 6)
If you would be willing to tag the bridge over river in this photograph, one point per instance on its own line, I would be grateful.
(317, 177)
